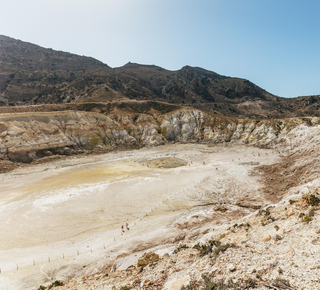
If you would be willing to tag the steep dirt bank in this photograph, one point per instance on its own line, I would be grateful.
(29, 135)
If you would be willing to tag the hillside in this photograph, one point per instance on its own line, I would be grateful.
(242, 184)
(30, 74)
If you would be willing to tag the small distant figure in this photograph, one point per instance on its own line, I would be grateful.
(122, 229)
(204, 163)
(127, 226)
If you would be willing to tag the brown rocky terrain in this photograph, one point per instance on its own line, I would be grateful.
(30, 74)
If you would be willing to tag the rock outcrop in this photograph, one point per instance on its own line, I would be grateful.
(33, 135)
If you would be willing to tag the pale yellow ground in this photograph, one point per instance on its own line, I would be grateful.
(65, 217)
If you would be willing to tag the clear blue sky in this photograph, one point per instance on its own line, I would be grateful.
(273, 43)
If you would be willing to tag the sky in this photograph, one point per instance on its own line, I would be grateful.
(273, 43)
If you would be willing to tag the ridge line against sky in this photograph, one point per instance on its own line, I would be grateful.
(273, 43)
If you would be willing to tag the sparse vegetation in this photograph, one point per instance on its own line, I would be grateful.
(125, 287)
(307, 219)
(219, 284)
(291, 201)
(177, 250)
(56, 283)
(313, 200)
(208, 248)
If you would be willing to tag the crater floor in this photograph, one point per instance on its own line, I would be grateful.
(66, 217)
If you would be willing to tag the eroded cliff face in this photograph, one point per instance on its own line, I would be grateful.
(32, 135)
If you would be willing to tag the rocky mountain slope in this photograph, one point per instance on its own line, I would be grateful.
(30, 74)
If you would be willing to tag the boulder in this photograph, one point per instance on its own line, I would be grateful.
(289, 212)
(147, 258)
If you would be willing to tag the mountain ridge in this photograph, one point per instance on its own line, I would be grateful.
(31, 74)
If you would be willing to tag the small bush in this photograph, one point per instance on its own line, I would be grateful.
(311, 213)
(265, 212)
(250, 283)
(307, 219)
(278, 238)
(313, 200)
(219, 285)
(205, 249)
(56, 283)
(214, 243)
(197, 247)
(177, 250)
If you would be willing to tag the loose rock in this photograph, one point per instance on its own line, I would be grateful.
(266, 238)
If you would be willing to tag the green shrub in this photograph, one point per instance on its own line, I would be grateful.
(207, 248)
(56, 283)
(307, 219)
(313, 200)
